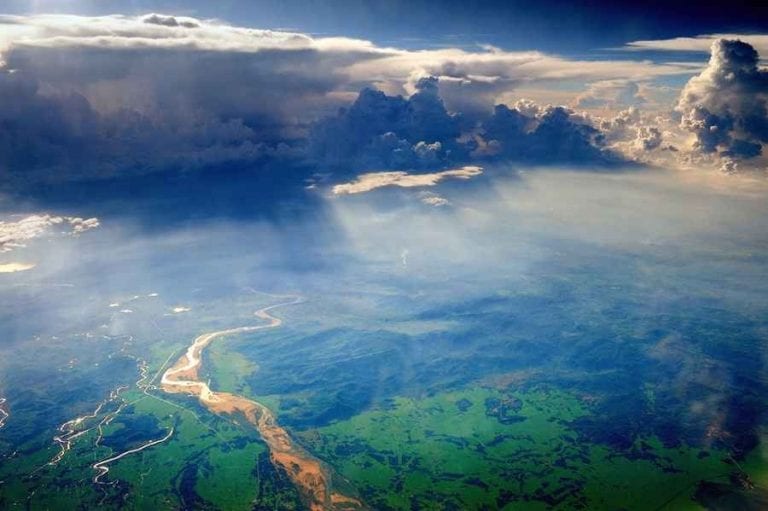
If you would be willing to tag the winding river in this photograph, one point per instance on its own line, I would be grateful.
(306, 472)
(102, 467)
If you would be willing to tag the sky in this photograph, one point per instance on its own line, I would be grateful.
(116, 106)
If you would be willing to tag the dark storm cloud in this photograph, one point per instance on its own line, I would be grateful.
(85, 98)
(39, 131)
(380, 131)
(62, 137)
(726, 106)
(270, 84)
(543, 135)
(134, 95)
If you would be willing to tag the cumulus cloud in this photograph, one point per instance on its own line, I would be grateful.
(393, 132)
(729, 166)
(373, 180)
(381, 131)
(726, 106)
(719, 121)
(475, 80)
(644, 137)
(110, 95)
(80, 225)
(548, 134)
(648, 138)
(85, 97)
(16, 234)
(611, 93)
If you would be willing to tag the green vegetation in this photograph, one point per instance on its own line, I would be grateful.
(207, 463)
(484, 448)
(228, 368)
(596, 401)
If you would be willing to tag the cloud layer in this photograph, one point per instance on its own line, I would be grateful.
(84, 98)
(702, 43)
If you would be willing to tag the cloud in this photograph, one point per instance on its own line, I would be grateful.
(611, 93)
(491, 71)
(171, 21)
(648, 138)
(63, 137)
(701, 43)
(729, 166)
(393, 132)
(726, 106)
(16, 234)
(433, 199)
(373, 180)
(114, 96)
(390, 131)
(15, 267)
(142, 32)
(527, 132)
(80, 225)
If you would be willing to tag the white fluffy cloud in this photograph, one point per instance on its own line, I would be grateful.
(719, 121)
(611, 93)
(16, 234)
(726, 106)
(373, 180)
(648, 138)
(633, 133)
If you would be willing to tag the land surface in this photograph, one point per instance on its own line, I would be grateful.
(307, 473)
(528, 371)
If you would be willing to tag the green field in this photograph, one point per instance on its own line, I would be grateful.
(208, 463)
(485, 448)
(480, 404)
